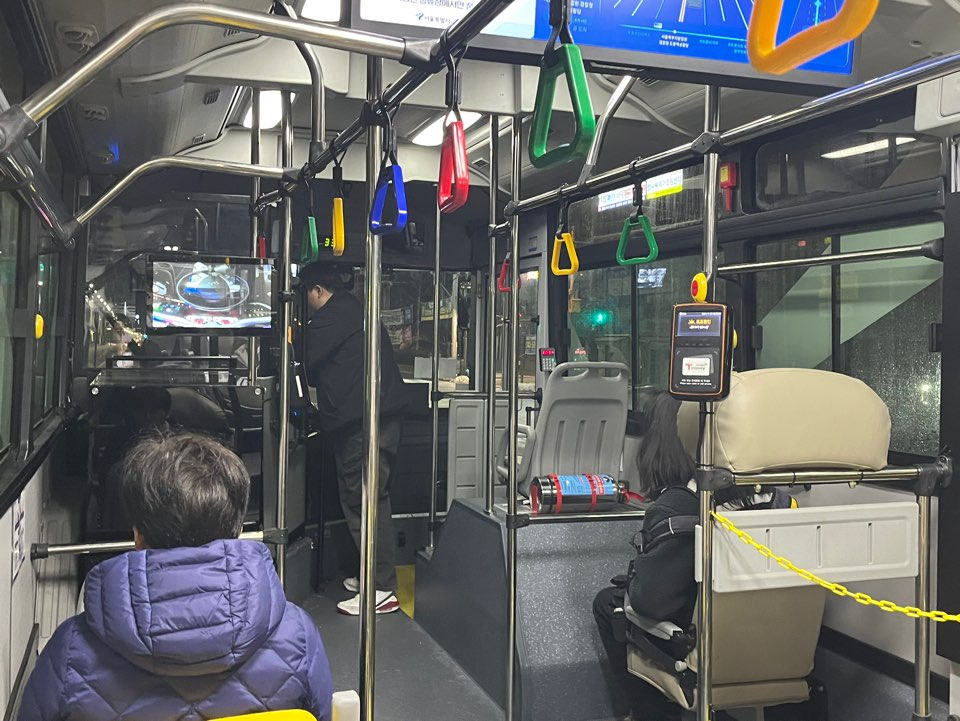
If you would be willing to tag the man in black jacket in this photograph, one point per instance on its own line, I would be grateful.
(334, 363)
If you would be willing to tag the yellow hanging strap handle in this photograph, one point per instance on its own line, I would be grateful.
(564, 239)
(561, 241)
(766, 56)
(339, 236)
(836, 588)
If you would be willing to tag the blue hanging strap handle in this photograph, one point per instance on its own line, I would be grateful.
(637, 220)
(389, 183)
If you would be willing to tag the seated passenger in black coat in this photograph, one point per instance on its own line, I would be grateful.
(662, 584)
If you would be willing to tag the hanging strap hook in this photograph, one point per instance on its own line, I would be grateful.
(638, 219)
(563, 59)
(339, 236)
(453, 183)
(389, 184)
(564, 239)
(503, 280)
(309, 244)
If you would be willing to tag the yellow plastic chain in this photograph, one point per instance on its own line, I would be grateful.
(838, 589)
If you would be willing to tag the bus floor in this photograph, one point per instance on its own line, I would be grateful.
(417, 679)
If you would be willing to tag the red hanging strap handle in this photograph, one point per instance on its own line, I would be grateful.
(503, 280)
(453, 185)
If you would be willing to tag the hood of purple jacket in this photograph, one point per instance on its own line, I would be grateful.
(186, 611)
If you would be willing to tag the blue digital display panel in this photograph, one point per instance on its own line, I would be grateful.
(702, 29)
(705, 39)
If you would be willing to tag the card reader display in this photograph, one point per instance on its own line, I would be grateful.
(701, 351)
(548, 360)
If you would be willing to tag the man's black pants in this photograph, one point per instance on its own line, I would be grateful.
(349, 445)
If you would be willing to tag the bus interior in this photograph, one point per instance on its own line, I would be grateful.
(167, 170)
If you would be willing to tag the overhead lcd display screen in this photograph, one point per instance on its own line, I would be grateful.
(226, 295)
(674, 37)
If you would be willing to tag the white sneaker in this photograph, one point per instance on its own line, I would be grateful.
(352, 584)
(386, 603)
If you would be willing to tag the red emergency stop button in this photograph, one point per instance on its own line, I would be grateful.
(698, 287)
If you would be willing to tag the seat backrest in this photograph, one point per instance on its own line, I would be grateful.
(779, 418)
(582, 421)
(767, 635)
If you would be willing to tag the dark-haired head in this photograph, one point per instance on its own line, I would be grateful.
(183, 489)
(320, 282)
(662, 459)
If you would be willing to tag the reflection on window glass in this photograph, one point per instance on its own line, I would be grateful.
(886, 308)
(660, 286)
(44, 374)
(793, 307)
(819, 166)
(529, 325)
(885, 311)
(9, 230)
(406, 300)
(598, 315)
(671, 200)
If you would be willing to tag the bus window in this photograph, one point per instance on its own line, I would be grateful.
(794, 304)
(529, 302)
(884, 311)
(9, 230)
(406, 302)
(886, 308)
(44, 369)
(598, 315)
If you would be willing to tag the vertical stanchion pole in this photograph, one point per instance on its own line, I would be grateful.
(921, 694)
(711, 179)
(489, 467)
(253, 343)
(371, 418)
(512, 409)
(435, 384)
(287, 305)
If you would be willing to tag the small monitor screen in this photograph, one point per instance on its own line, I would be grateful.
(204, 296)
(651, 277)
(699, 324)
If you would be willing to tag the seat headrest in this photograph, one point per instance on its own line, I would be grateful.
(789, 418)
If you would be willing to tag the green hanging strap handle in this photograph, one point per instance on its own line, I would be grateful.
(309, 244)
(563, 59)
(635, 220)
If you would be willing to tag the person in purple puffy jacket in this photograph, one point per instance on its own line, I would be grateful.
(194, 624)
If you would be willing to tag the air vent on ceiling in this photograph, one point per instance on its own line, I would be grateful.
(94, 113)
(78, 38)
(197, 139)
(481, 163)
(211, 97)
(648, 81)
(230, 31)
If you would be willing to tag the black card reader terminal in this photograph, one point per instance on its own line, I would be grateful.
(701, 351)
(548, 360)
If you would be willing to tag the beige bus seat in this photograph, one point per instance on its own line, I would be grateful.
(766, 620)
(581, 425)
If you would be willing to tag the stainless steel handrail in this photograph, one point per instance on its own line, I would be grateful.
(683, 155)
(54, 93)
(177, 161)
